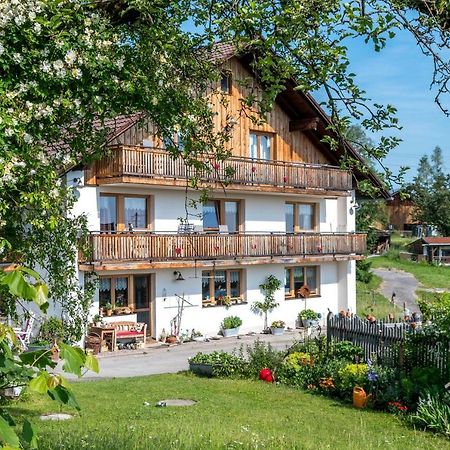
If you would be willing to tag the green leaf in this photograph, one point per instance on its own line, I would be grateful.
(40, 359)
(30, 272)
(29, 434)
(7, 434)
(18, 286)
(64, 396)
(39, 384)
(92, 363)
(41, 298)
(74, 359)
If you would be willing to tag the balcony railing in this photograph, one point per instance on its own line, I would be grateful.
(167, 247)
(160, 164)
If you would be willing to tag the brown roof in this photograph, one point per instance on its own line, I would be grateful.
(434, 240)
(221, 51)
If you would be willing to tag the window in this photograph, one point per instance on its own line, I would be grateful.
(297, 277)
(113, 290)
(222, 287)
(225, 82)
(221, 212)
(108, 213)
(260, 146)
(301, 217)
(135, 212)
(127, 292)
(124, 212)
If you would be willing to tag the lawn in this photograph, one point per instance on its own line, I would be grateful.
(369, 301)
(230, 414)
(429, 276)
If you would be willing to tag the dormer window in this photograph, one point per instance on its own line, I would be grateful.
(225, 83)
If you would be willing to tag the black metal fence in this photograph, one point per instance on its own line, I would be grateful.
(397, 344)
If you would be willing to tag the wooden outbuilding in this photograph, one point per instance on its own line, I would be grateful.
(433, 249)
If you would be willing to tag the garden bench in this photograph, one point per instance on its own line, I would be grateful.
(129, 330)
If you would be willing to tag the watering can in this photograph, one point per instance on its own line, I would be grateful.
(360, 398)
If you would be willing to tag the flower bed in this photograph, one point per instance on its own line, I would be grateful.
(336, 373)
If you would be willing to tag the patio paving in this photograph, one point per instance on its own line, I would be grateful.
(159, 359)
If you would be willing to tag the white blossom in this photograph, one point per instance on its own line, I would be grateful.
(9, 132)
(77, 73)
(120, 63)
(45, 67)
(70, 57)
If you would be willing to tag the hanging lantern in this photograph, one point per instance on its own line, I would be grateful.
(178, 251)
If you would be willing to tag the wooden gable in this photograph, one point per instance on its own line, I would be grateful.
(290, 138)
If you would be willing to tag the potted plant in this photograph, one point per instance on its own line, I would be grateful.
(269, 288)
(202, 364)
(230, 326)
(277, 327)
(97, 320)
(108, 308)
(309, 317)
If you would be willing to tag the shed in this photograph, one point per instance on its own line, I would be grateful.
(433, 248)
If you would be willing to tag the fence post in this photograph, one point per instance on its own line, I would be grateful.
(329, 318)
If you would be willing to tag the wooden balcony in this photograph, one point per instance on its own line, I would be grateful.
(152, 250)
(154, 166)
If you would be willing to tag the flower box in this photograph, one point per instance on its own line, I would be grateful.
(201, 369)
(230, 332)
(277, 331)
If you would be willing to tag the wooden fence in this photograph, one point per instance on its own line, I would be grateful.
(392, 344)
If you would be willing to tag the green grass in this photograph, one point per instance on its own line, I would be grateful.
(230, 414)
(369, 301)
(429, 276)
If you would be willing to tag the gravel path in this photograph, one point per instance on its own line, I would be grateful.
(403, 284)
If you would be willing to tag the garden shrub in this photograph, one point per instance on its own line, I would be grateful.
(347, 350)
(363, 272)
(51, 330)
(224, 364)
(433, 413)
(418, 381)
(260, 355)
(316, 347)
(352, 375)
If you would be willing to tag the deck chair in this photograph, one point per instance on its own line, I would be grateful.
(24, 334)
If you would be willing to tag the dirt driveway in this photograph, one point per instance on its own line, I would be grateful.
(403, 284)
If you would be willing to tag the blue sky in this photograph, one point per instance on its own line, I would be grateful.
(400, 75)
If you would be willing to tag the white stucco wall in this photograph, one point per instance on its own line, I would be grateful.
(207, 320)
(263, 213)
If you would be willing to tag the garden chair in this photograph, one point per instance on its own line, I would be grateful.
(24, 334)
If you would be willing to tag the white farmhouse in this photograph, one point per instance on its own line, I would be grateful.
(288, 211)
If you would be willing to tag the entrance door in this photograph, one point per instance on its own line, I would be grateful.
(142, 300)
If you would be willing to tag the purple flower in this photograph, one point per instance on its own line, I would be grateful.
(372, 376)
